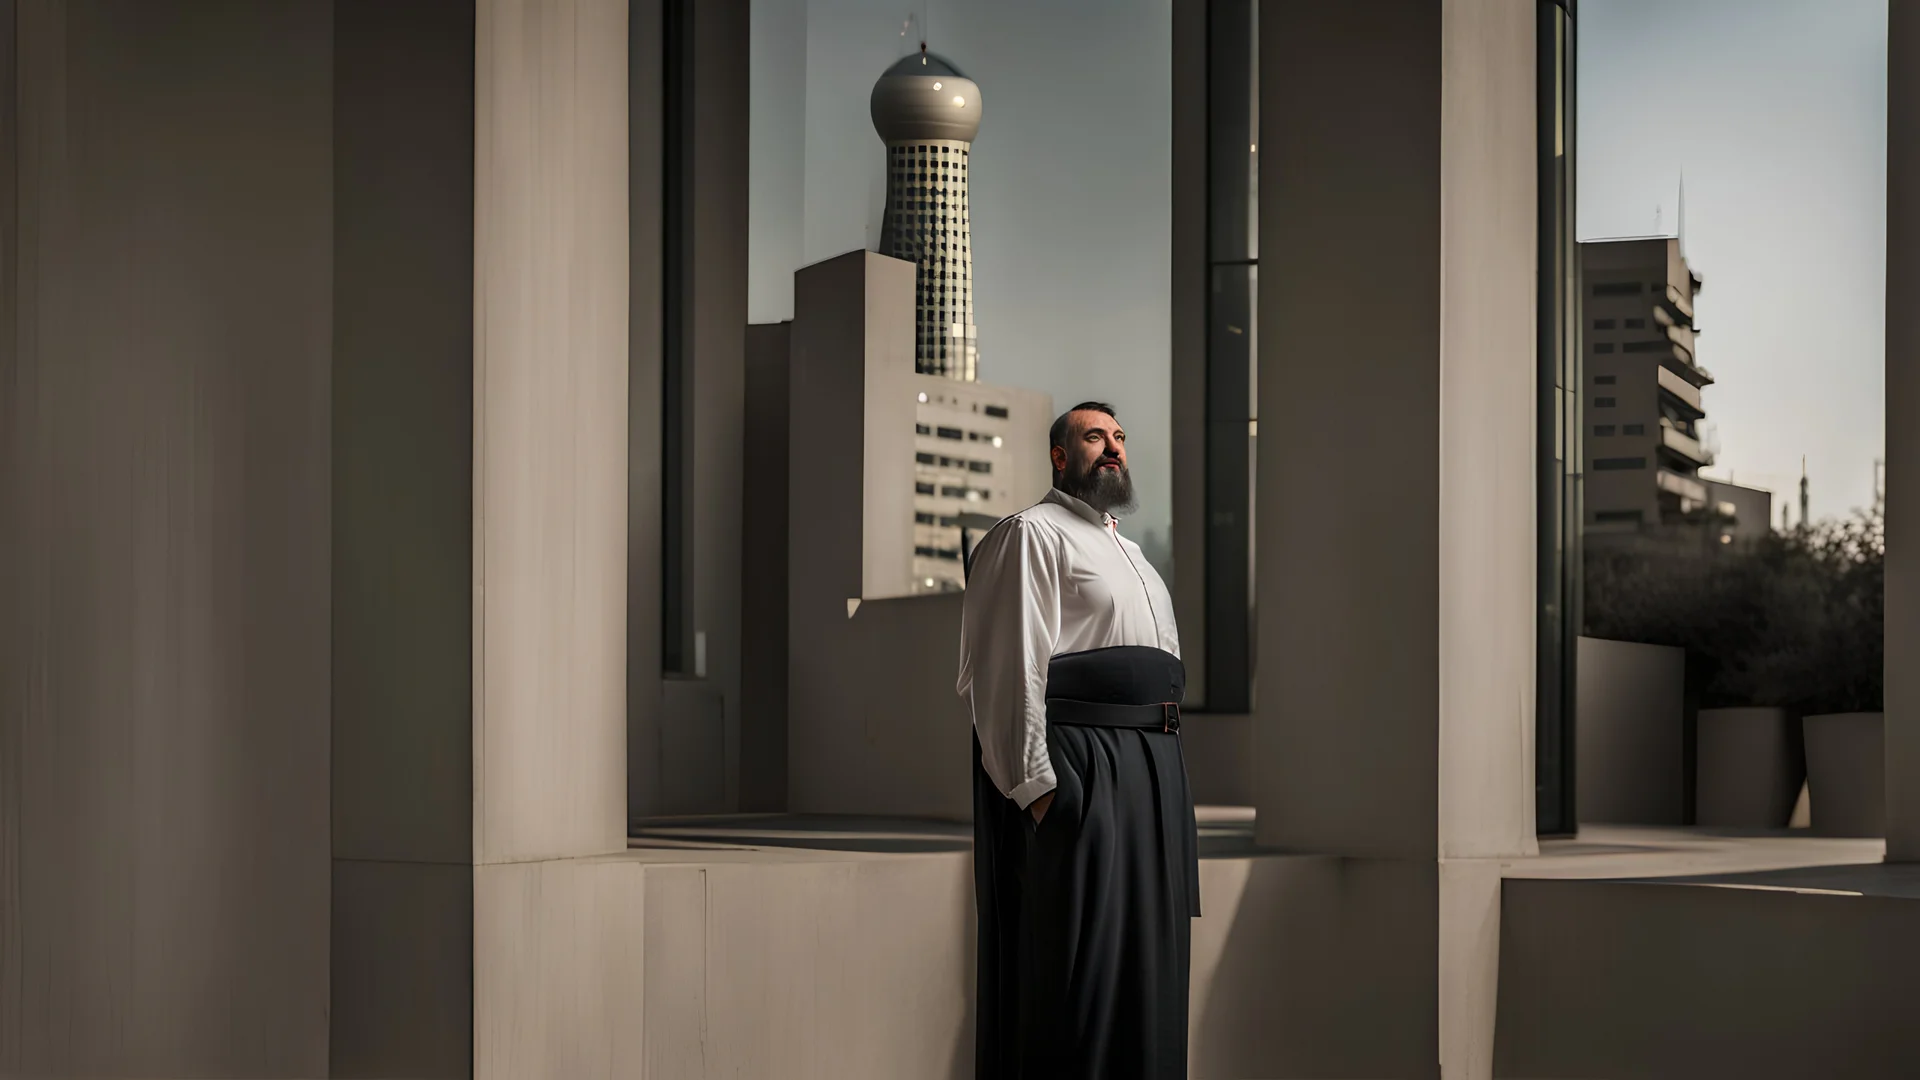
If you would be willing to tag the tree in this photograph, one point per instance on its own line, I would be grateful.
(1794, 620)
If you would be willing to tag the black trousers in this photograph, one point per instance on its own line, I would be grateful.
(1084, 932)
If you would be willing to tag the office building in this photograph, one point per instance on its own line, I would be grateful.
(1644, 405)
(977, 450)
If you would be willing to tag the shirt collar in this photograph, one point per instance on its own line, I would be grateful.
(1055, 495)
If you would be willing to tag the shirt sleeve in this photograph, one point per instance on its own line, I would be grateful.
(1009, 623)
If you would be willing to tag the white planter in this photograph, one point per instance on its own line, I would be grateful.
(1846, 774)
(1748, 768)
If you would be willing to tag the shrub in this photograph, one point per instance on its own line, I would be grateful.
(1793, 620)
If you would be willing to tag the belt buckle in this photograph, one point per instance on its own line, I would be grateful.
(1169, 716)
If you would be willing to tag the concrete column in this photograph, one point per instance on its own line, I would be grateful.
(556, 975)
(1395, 499)
(1188, 316)
(550, 429)
(1903, 440)
(403, 605)
(717, 366)
(165, 239)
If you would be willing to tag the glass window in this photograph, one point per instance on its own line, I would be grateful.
(1603, 430)
(1603, 403)
(1619, 463)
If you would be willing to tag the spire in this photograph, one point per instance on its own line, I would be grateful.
(1803, 491)
(1681, 233)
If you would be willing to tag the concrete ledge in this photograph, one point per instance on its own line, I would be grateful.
(1793, 973)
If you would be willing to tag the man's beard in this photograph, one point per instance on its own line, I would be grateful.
(1109, 491)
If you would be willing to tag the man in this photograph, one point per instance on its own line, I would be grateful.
(1085, 849)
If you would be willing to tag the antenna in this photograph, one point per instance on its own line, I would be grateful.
(1681, 234)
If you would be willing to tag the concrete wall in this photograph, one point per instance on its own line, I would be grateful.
(402, 784)
(874, 725)
(164, 751)
(1903, 440)
(1668, 981)
(1631, 758)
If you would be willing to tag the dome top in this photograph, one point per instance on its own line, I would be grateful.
(924, 97)
(923, 63)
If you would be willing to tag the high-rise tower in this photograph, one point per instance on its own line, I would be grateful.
(928, 113)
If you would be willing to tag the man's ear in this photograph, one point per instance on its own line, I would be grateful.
(1059, 456)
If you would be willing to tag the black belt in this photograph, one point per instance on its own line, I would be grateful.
(1163, 716)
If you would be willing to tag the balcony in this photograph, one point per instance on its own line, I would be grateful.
(1682, 338)
(1678, 302)
(1691, 492)
(1684, 393)
(1685, 446)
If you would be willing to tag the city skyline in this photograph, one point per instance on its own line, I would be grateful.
(1775, 115)
(1079, 140)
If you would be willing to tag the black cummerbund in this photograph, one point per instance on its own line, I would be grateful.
(1122, 686)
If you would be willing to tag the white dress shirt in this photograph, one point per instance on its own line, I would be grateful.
(1055, 578)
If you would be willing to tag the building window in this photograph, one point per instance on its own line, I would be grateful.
(1617, 288)
(923, 458)
(1603, 430)
(922, 489)
(922, 429)
(923, 519)
(1603, 347)
(953, 492)
(1643, 346)
(1618, 464)
(1232, 104)
(948, 432)
(980, 466)
(1604, 380)
(1603, 324)
(1603, 403)
(1612, 516)
(1636, 324)
(1634, 429)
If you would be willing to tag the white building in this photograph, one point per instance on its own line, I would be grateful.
(978, 449)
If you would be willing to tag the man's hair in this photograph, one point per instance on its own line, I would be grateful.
(1058, 436)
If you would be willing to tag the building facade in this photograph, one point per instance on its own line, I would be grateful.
(1643, 404)
(977, 451)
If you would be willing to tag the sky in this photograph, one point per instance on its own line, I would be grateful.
(1775, 112)
(1069, 183)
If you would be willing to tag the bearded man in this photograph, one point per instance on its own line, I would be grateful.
(1085, 848)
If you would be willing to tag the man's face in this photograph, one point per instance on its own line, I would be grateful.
(1092, 466)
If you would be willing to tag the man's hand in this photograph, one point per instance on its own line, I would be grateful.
(1038, 808)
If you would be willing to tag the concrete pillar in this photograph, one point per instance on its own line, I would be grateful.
(165, 333)
(1903, 440)
(1187, 399)
(1396, 501)
(550, 429)
(403, 498)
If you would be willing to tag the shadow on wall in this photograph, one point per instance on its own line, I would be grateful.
(876, 725)
(1310, 965)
